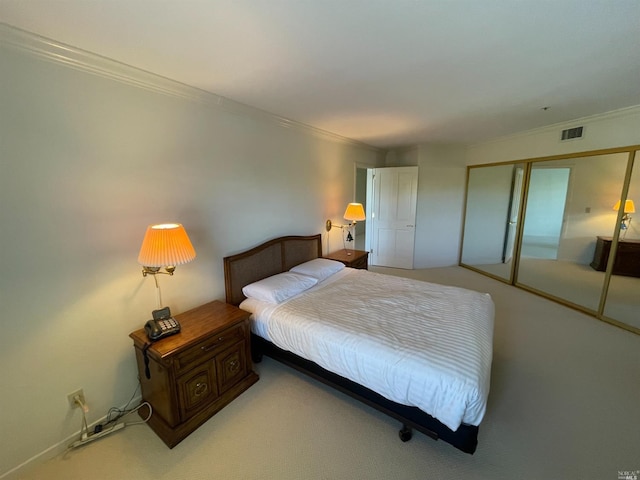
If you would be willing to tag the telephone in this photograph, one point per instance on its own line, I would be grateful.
(162, 325)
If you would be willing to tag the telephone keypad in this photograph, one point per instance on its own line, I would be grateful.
(168, 324)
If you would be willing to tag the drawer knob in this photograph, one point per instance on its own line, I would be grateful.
(200, 389)
(234, 365)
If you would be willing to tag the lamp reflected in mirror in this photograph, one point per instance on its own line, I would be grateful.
(625, 222)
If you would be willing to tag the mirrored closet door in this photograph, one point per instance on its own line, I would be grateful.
(569, 205)
(623, 295)
(553, 227)
(492, 211)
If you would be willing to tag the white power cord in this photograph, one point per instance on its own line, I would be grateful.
(86, 436)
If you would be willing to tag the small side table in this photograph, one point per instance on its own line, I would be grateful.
(197, 372)
(351, 258)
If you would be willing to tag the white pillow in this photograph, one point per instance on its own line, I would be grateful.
(278, 288)
(318, 268)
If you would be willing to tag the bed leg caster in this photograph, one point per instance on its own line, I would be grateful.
(405, 433)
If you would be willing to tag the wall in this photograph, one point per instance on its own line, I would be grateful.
(92, 153)
(441, 181)
(361, 197)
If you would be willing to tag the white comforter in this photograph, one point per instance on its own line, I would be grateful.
(416, 343)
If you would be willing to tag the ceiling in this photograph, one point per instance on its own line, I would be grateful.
(387, 73)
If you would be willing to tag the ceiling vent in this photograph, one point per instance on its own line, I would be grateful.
(572, 133)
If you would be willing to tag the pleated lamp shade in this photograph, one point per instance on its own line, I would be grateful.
(354, 212)
(166, 245)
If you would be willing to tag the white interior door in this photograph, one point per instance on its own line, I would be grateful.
(395, 194)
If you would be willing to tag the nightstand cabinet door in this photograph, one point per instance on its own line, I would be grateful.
(628, 258)
(231, 366)
(196, 389)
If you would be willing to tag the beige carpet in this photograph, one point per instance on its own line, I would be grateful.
(579, 284)
(564, 404)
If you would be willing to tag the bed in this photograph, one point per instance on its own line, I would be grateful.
(430, 371)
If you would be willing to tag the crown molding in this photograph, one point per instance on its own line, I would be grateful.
(82, 60)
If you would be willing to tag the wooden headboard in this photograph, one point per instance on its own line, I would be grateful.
(272, 257)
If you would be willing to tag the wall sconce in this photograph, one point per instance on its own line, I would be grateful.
(354, 213)
(165, 245)
(629, 207)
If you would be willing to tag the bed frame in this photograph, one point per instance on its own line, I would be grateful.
(279, 255)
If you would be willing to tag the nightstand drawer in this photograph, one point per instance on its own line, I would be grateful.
(209, 347)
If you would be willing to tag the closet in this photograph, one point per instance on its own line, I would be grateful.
(543, 225)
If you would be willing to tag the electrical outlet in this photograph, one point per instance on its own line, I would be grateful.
(71, 397)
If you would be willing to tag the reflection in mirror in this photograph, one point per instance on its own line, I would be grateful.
(491, 218)
(623, 297)
(569, 206)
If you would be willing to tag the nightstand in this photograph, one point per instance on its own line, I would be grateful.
(351, 258)
(196, 372)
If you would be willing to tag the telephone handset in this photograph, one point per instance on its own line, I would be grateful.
(162, 325)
